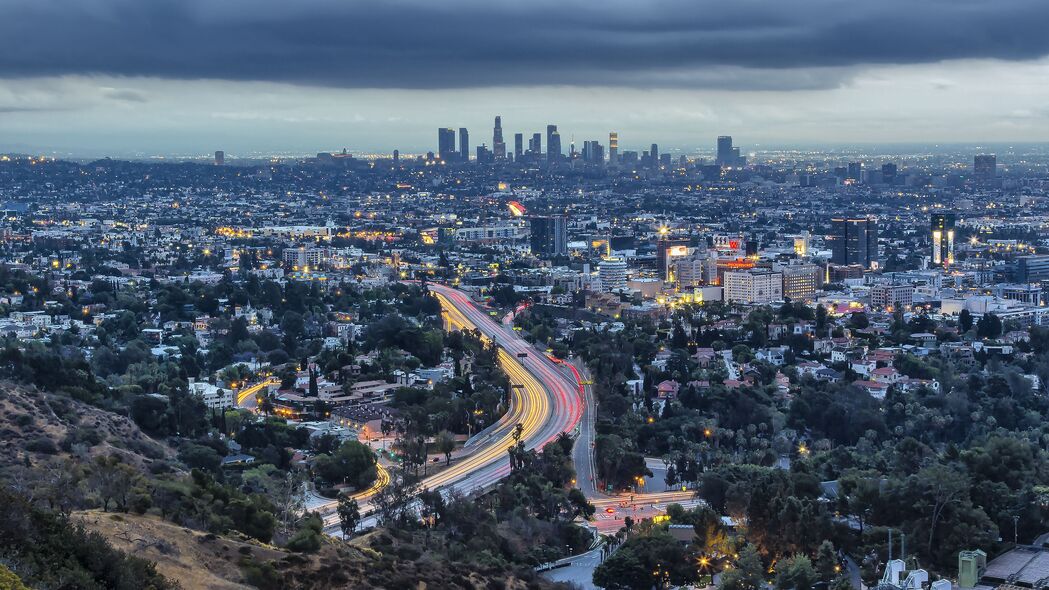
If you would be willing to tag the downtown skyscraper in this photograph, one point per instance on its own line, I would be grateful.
(446, 144)
(553, 143)
(464, 145)
(498, 145)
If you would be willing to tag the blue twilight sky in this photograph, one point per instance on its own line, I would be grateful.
(186, 77)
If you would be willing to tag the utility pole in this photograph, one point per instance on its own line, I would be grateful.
(1016, 529)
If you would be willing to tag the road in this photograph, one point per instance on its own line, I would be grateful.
(542, 400)
(611, 512)
(246, 398)
(583, 451)
(578, 569)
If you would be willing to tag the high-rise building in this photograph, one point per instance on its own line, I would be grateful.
(518, 146)
(892, 296)
(535, 145)
(549, 235)
(654, 154)
(612, 272)
(800, 281)
(855, 171)
(668, 249)
(854, 240)
(689, 271)
(396, 158)
(553, 143)
(1033, 268)
(593, 152)
(613, 148)
(498, 145)
(220, 158)
(753, 286)
(724, 153)
(985, 166)
(888, 173)
(446, 144)
(942, 227)
(464, 144)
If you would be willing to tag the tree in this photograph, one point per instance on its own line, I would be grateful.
(352, 462)
(646, 561)
(748, 574)
(113, 481)
(308, 538)
(965, 320)
(445, 444)
(989, 326)
(944, 487)
(349, 515)
(795, 573)
(827, 562)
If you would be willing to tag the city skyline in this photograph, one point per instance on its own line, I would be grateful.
(187, 78)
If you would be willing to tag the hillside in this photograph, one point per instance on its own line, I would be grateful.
(42, 430)
(210, 562)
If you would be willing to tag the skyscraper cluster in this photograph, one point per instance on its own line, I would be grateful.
(531, 149)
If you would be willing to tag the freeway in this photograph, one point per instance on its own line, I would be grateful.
(246, 398)
(542, 400)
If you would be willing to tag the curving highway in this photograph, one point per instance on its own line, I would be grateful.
(542, 400)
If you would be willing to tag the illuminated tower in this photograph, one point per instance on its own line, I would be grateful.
(942, 227)
(613, 148)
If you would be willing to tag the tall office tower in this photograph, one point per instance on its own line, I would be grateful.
(518, 146)
(593, 152)
(220, 158)
(612, 272)
(654, 152)
(888, 173)
(985, 166)
(464, 145)
(396, 158)
(854, 240)
(942, 226)
(856, 171)
(446, 143)
(613, 148)
(498, 146)
(1032, 269)
(549, 235)
(724, 153)
(738, 159)
(667, 249)
(535, 145)
(553, 143)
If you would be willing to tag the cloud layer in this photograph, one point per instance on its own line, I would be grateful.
(710, 44)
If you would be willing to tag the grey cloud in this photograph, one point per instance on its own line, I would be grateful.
(124, 94)
(735, 45)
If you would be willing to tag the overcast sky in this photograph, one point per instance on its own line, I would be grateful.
(182, 77)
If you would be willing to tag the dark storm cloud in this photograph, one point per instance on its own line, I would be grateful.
(732, 44)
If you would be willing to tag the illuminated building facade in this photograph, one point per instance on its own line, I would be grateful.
(942, 227)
